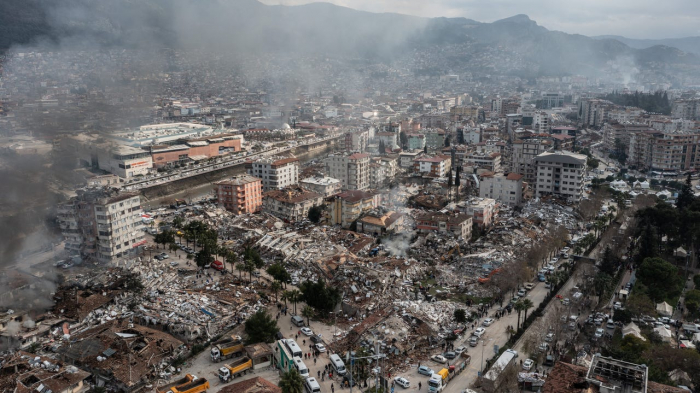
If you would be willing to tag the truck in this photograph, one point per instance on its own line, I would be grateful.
(199, 385)
(235, 369)
(438, 381)
(227, 348)
(494, 377)
(184, 380)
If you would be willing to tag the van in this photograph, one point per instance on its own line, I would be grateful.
(301, 367)
(297, 321)
(338, 364)
(312, 385)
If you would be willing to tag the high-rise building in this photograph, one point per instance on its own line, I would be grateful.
(240, 194)
(275, 174)
(102, 224)
(561, 174)
(504, 189)
(523, 156)
(352, 170)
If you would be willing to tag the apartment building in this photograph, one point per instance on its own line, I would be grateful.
(686, 109)
(275, 174)
(406, 158)
(102, 224)
(594, 112)
(437, 166)
(348, 206)
(465, 112)
(390, 139)
(435, 138)
(622, 131)
(380, 221)
(665, 152)
(325, 186)
(291, 203)
(352, 170)
(459, 224)
(481, 160)
(356, 141)
(382, 170)
(482, 210)
(523, 157)
(240, 194)
(560, 174)
(415, 141)
(507, 190)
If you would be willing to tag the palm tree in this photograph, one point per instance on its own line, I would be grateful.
(249, 268)
(286, 295)
(307, 312)
(510, 331)
(275, 287)
(291, 382)
(527, 304)
(240, 267)
(518, 306)
(295, 297)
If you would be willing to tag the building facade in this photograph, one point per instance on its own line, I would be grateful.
(523, 157)
(459, 224)
(352, 170)
(348, 206)
(291, 203)
(437, 166)
(275, 174)
(240, 195)
(560, 174)
(325, 186)
(482, 210)
(507, 190)
(102, 225)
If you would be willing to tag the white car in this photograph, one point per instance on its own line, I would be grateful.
(459, 350)
(307, 331)
(403, 382)
(479, 332)
(617, 305)
(549, 337)
(527, 364)
(320, 347)
(487, 322)
(598, 333)
(438, 358)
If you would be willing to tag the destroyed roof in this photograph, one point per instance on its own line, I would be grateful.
(384, 220)
(28, 372)
(253, 385)
(355, 195)
(292, 195)
(455, 218)
(258, 350)
(570, 378)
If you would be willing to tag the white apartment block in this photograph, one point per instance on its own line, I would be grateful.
(352, 171)
(102, 225)
(560, 173)
(276, 174)
(325, 186)
(523, 157)
(506, 190)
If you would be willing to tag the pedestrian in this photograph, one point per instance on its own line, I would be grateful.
(332, 388)
(304, 341)
(418, 364)
(319, 373)
(315, 363)
(419, 385)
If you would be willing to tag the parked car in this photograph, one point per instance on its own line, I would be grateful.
(403, 382)
(438, 358)
(306, 331)
(425, 370)
(479, 332)
(527, 364)
(449, 355)
(521, 293)
(487, 322)
(617, 305)
(459, 350)
(473, 341)
(316, 339)
(320, 347)
(549, 337)
(566, 301)
(598, 333)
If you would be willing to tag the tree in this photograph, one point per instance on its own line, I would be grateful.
(639, 302)
(315, 214)
(592, 163)
(231, 257)
(381, 149)
(660, 277)
(610, 263)
(403, 139)
(425, 149)
(519, 307)
(178, 222)
(260, 328)
(686, 196)
(307, 312)
(203, 258)
(292, 382)
(319, 295)
(602, 283)
(460, 315)
(447, 141)
(164, 237)
(275, 287)
(286, 295)
(527, 304)
(249, 268)
(279, 273)
(295, 297)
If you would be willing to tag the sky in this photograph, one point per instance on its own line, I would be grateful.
(630, 18)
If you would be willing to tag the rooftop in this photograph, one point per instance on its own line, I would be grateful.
(292, 195)
(239, 180)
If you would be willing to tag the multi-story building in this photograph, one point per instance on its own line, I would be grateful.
(614, 131)
(560, 174)
(380, 221)
(352, 170)
(325, 186)
(240, 194)
(523, 157)
(275, 174)
(415, 141)
(665, 152)
(382, 170)
(102, 224)
(390, 139)
(488, 161)
(291, 203)
(686, 109)
(465, 112)
(406, 158)
(507, 190)
(435, 138)
(459, 224)
(482, 210)
(348, 206)
(121, 160)
(195, 149)
(594, 112)
(356, 141)
(437, 166)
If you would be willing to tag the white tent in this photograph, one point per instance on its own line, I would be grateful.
(633, 329)
(664, 333)
(664, 309)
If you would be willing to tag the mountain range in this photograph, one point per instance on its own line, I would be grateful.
(243, 26)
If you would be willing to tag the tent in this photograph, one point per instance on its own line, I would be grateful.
(633, 329)
(664, 333)
(664, 309)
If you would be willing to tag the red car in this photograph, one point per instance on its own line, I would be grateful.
(217, 265)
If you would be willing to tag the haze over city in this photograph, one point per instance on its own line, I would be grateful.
(245, 196)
